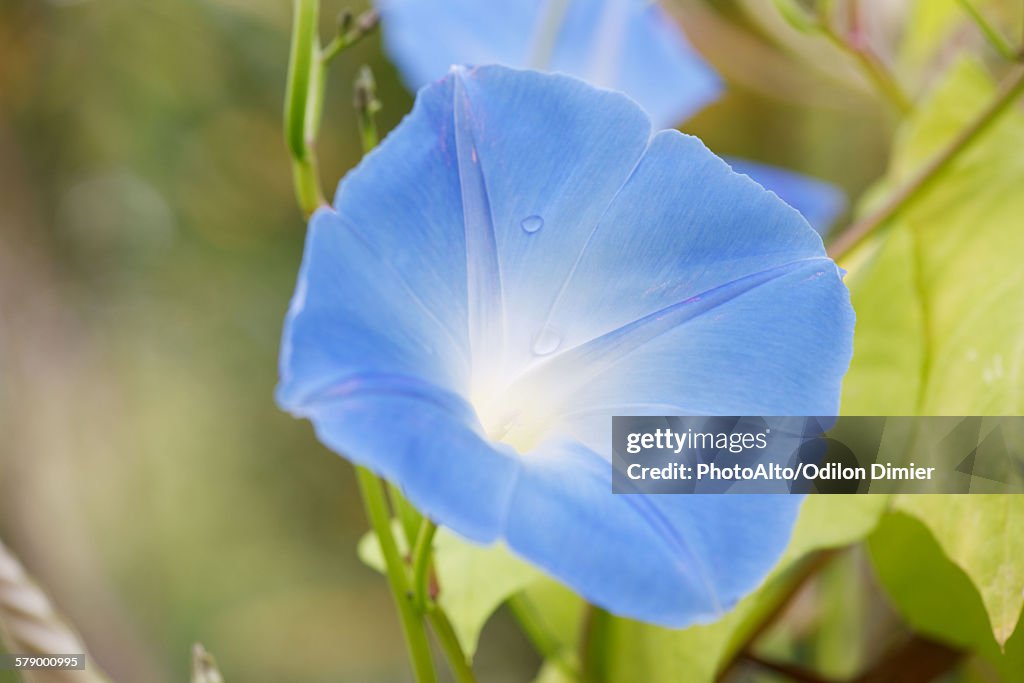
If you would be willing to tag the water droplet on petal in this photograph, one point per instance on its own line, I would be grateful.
(532, 224)
(547, 341)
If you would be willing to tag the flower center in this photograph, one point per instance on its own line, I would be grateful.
(514, 413)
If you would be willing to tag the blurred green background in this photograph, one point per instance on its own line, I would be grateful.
(149, 242)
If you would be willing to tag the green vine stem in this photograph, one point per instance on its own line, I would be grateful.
(424, 604)
(996, 39)
(303, 96)
(421, 565)
(350, 31)
(449, 642)
(1009, 90)
(408, 516)
(375, 501)
(855, 44)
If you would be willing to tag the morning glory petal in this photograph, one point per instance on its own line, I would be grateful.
(626, 45)
(518, 261)
(682, 225)
(789, 371)
(347, 320)
(542, 186)
(672, 560)
(427, 442)
(819, 202)
(712, 261)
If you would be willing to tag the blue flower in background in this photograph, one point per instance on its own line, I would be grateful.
(626, 45)
(610, 43)
(518, 261)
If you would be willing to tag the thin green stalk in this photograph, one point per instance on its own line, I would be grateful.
(375, 501)
(423, 602)
(994, 37)
(1009, 90)
(449, 642)
(299, 71)
(421, 565)
(302, 98)
(873, 68)
(350, 32)
(306, 178)
(333, 49)
(408, 516)
(367, 105)
(315, 108)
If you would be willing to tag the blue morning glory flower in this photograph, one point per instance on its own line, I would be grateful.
(519, 260)
(819, 202)
(609, 43)
(626, 45)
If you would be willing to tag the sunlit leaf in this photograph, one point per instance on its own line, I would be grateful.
(929, 23)
(552, 617)
(984, 536)
(550, 673)
(932, 24)
(940, 326)
(885, 377)
(834, 521)
(934, 596)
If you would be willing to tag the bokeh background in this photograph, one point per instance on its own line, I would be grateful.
(149, 242)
